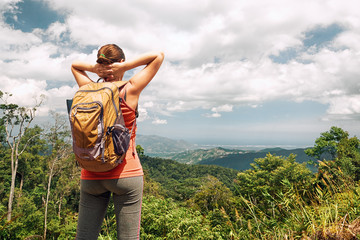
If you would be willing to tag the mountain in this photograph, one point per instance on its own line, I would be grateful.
(184, 152)
(181, 181)
(161, 146)
(198, 155)
(241, 161)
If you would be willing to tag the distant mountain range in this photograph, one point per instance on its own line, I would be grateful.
(184, 152)
(157, 146)
(199, 155)
(242, 161)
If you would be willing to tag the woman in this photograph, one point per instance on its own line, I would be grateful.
(125, 181)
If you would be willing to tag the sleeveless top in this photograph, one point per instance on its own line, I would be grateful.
(130, 166)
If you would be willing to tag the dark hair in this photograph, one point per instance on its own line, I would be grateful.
(110, 53)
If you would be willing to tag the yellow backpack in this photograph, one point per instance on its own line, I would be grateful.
(100, 138)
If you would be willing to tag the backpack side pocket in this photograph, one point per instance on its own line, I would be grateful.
(121, 139)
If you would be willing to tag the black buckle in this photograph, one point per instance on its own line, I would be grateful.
(109, 130)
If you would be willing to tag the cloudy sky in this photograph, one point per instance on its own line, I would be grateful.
(236, 72)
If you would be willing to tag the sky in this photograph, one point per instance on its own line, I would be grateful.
(236, 72)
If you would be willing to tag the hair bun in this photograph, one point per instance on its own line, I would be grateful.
(102, 59)
(109, 54)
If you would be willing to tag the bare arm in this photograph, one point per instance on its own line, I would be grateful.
(139, 81)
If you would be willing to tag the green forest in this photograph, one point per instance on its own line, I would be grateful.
(277, 198)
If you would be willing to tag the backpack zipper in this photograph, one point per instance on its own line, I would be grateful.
(112, 96)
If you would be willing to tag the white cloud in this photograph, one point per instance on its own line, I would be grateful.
(223, 108)
(143, 114)
(212, 115)
(24, 92)
(15, 41)
(57, 96)
(216, 110)
(157, 121)
(217, 53)
(56, 31)
(8, 6)
(345, 105)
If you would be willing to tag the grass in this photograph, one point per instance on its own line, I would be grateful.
(330, 211)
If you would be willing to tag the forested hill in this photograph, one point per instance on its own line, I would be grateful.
(241, 161)
(184, 152)
(180, 181)
(198, 155)
(235, 158)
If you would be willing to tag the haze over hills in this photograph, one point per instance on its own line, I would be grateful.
(188, 153)
(199, 155)
(158, 146)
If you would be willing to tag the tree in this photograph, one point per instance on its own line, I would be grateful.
(16, 118)
(31, 160)
(348, 148)
(326, 145)
(212, 195)
(267, 175)
(60, 151)
(342, 152)
(140, 150)
(166, 219)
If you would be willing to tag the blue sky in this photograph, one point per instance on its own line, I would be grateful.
(236, 72)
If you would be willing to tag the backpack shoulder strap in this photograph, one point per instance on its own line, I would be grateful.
(120, 84)
(122, 94)
(122, 90)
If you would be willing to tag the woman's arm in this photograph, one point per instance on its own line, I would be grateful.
(139, 81)
(79, 69)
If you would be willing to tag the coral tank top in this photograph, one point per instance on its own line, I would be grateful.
(130, 166)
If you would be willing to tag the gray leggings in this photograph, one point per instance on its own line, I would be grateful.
(94, 200)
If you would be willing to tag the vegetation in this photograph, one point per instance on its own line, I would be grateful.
(204, 155)
(277, 198)
(242, 160)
